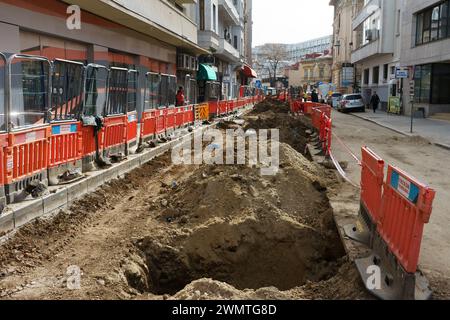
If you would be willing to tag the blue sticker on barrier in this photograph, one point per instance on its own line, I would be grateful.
(64, 129)
(132, 118)
(405, 187)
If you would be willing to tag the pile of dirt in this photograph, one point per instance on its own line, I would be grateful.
(230, 224)
(271, 104)
(292, 130)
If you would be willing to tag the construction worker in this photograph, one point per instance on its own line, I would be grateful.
(305, 96)
(180, 97)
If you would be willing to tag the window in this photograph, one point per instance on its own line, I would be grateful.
(385, 72)
(2, 93)
(443, 21)
(235, 42)
(202, 14)
(433, 23)
(214, 17)
(376, 75)
(366, 76)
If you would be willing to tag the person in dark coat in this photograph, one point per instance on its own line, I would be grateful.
(375, 101)
(314, 96)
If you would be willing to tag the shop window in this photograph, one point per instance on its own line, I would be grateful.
(152, 96)
(440, 84)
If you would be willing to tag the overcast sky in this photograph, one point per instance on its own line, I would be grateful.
(291, 21)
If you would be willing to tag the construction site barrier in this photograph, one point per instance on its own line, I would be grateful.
(65, 149)
(3, 145)
(160, 121)
(188, 115)
(406, 208)
(26, 156)
(148, 125)
(170, 119)
(115, 134)
(26, 159)
(372, 179)
(223, 107)
(397, 229)
(213, 107)
(179, 117)
(202, 112)
(132, 128)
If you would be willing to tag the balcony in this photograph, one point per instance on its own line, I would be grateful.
(208, 39)
(227, 52)
(368, 10)
(158, 19)
(230, 11)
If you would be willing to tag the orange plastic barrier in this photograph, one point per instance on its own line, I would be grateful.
(326, 144)
(26, 157)
(132, 125)
(372, 179)
(213, 108)
(231, 105)
(223, 107)
(114, 134)
(65, 143)
(170, 118)
(160, 121)
(179, 117)
(406, 208)
(188, 115)
(3, 145)
(148, 125)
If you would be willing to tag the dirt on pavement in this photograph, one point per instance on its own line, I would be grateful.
(193, 232)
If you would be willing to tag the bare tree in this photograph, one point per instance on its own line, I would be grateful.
(273, 54)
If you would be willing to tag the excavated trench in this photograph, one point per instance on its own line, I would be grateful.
(230, 224)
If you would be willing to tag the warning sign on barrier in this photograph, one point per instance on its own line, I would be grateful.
(202, 112)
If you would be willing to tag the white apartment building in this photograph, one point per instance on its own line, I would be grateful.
(426, 49)
(377, 47)
(221, 31)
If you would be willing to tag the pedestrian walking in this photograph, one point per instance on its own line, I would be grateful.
(375, 101)
(180, 97)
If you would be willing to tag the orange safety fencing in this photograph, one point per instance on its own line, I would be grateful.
(406, 208)
(65, 144)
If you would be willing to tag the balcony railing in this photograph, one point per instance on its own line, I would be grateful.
(230, 10)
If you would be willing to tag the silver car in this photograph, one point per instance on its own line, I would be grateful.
(352, 102)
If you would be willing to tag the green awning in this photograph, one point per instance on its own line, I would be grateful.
(206, 73)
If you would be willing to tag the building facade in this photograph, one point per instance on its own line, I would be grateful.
(310, 72)
(345, 74)
(298, 51)
(426, 51)
(221, 30)
(377, 48)
(145, 36)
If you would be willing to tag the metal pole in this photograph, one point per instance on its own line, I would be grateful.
(412, 115)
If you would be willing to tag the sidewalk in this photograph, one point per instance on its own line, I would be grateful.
(436, 131)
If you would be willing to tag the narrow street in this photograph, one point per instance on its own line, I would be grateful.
(417, 156)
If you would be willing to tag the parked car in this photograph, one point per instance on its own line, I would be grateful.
(333, 100)
(352, 102)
